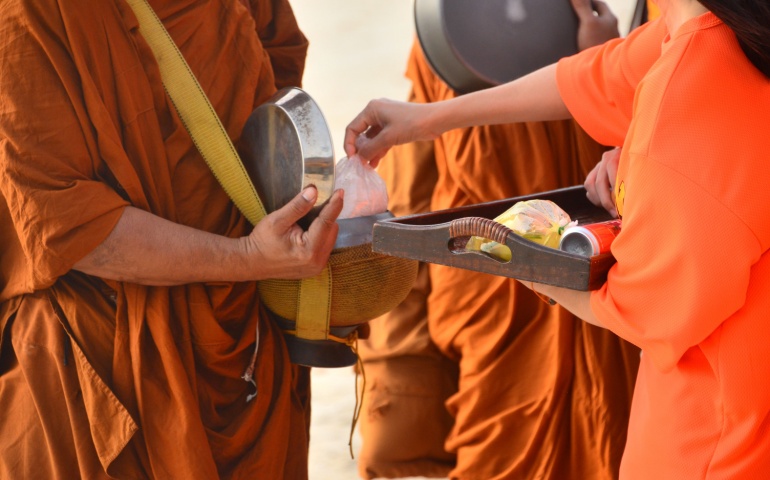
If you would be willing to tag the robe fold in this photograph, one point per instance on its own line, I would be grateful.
(113, 379)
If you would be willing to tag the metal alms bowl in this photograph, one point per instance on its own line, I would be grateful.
(286, 146)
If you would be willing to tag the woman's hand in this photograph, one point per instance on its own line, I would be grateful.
(600, 182)
(386, 123)
(279, 248)
(597, 23)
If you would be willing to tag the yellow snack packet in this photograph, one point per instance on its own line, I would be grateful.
(540, 221)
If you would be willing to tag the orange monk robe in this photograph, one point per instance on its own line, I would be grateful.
(541, 394)
(407, 378)
(117, 379)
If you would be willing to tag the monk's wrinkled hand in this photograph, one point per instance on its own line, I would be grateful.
(600, 182)
(597, 23)
(280, 248)
(386, 123)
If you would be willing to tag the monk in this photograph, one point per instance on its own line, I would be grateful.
(128, 308)
(530, 391)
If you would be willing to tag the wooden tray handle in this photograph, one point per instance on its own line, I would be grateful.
(479, 227)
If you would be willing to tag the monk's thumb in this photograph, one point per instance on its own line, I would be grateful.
(298, 207)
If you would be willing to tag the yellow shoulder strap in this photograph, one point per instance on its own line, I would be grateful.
(216, 148)
(197, 114)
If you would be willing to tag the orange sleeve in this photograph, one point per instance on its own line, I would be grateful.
(688, 243)
(675, 280)
(59, 208)
(598, 84)
(284, 42)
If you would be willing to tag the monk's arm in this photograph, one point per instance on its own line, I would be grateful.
(146, 249)
(577, 302)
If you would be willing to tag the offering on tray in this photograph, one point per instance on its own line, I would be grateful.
(589, 240)
(540, 221)
(365, 191)
(435, 237)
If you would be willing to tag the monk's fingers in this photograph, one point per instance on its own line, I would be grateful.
(285, 217)
(323, 231)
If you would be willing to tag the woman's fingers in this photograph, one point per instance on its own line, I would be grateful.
(600, 182)
(612, 159)
(365, 123)
(603, 188)
(386, 123)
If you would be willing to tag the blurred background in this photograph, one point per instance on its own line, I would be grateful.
(358, 52)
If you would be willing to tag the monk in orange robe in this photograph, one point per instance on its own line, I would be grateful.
(530, 390)
(128, 307)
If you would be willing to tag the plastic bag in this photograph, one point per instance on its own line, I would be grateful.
(540, 221)
(365, 191)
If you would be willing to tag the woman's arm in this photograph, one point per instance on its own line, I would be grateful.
(577, 302)
(385, 123)
(534, 97)
(144, 248)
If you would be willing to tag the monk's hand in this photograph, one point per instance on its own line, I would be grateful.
(597, 23)
(600, 182)
(279, 248)
(386, 123)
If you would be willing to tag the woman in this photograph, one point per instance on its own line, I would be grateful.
(687, 97)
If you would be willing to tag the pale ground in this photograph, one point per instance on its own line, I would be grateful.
(358, 51)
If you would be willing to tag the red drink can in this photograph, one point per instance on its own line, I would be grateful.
(589, 240)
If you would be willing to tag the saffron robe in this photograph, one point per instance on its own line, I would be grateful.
(540, 393)
(113, 379)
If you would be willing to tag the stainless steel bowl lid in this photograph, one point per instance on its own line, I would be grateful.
(285, 146)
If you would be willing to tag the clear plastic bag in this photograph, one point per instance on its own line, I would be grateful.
(365, 191)
(540, 221)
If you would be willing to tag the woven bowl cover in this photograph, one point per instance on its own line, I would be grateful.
(365, 285)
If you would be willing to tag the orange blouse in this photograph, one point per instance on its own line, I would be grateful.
(692, 273)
